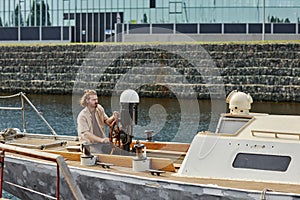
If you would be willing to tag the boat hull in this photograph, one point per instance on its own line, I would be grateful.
(41, 176)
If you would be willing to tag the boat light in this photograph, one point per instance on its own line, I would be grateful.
(239, 103)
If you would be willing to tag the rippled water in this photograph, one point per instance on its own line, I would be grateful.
(170, 119)
(164, 116)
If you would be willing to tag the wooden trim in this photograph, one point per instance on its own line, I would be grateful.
(122, 161)
(74, 156)
(165, 146)
(171, 153)
(73, 148)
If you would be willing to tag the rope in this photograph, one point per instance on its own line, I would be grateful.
(264, 192)
(8, 134)
(10, 96)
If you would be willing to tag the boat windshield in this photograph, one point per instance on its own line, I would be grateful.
(230, 125)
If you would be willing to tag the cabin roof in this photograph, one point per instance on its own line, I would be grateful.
(260, 126)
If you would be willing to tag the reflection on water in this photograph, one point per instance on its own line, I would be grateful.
(163, 116)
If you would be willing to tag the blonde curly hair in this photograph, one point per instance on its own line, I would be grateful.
(86, 97)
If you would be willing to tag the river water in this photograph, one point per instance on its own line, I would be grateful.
(170, 119)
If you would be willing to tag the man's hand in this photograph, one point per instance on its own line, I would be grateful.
(104, 140)
(116, 114)
(112, 118)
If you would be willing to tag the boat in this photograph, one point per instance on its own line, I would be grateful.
(249, 156)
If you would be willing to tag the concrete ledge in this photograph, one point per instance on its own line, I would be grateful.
(205, 37)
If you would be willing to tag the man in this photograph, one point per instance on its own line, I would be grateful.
(91, 121)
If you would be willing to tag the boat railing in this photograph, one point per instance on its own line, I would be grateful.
(61, 166)
(275, 133)
(22, 108)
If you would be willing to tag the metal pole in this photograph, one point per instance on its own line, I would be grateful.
(93, 22)
(75, 22)
(52, 12)
(70, 27)
(297, 23)
(263, 20)
(41, 20)
(62, 26)
(35, 14)
(4, 12)
(19, 21)
(25, 7)
(46, 13)
(58, 14)
(110, 23)
(80, 23)
(14, 18)
(63, 22)
(99, 18)
(87, 22)
(64, 169)
(39, 114)
(23, 114)
(105, 11)
(29, 16)
(9, 22)
(24, 2)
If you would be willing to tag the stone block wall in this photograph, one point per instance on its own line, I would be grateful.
(269, 72)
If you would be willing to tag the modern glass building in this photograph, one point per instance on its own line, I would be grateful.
(70, 13)
(151, 11)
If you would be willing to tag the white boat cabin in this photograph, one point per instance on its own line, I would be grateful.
(246, 146)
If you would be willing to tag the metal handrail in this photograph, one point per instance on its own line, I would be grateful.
(10, 96)
(23, 96)
(275, 133)
(61, 165)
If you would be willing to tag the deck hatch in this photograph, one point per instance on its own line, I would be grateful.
(262, 162)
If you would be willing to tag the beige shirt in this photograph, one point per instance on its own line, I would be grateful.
(85, 123)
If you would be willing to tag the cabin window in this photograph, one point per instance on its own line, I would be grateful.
(262, 162)
(231, 125)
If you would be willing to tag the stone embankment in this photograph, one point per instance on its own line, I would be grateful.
(269, 72)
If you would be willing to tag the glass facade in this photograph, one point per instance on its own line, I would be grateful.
(61, 12)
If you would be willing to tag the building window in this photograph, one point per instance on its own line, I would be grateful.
(175, 7)
(152, 3)
(262, 162)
